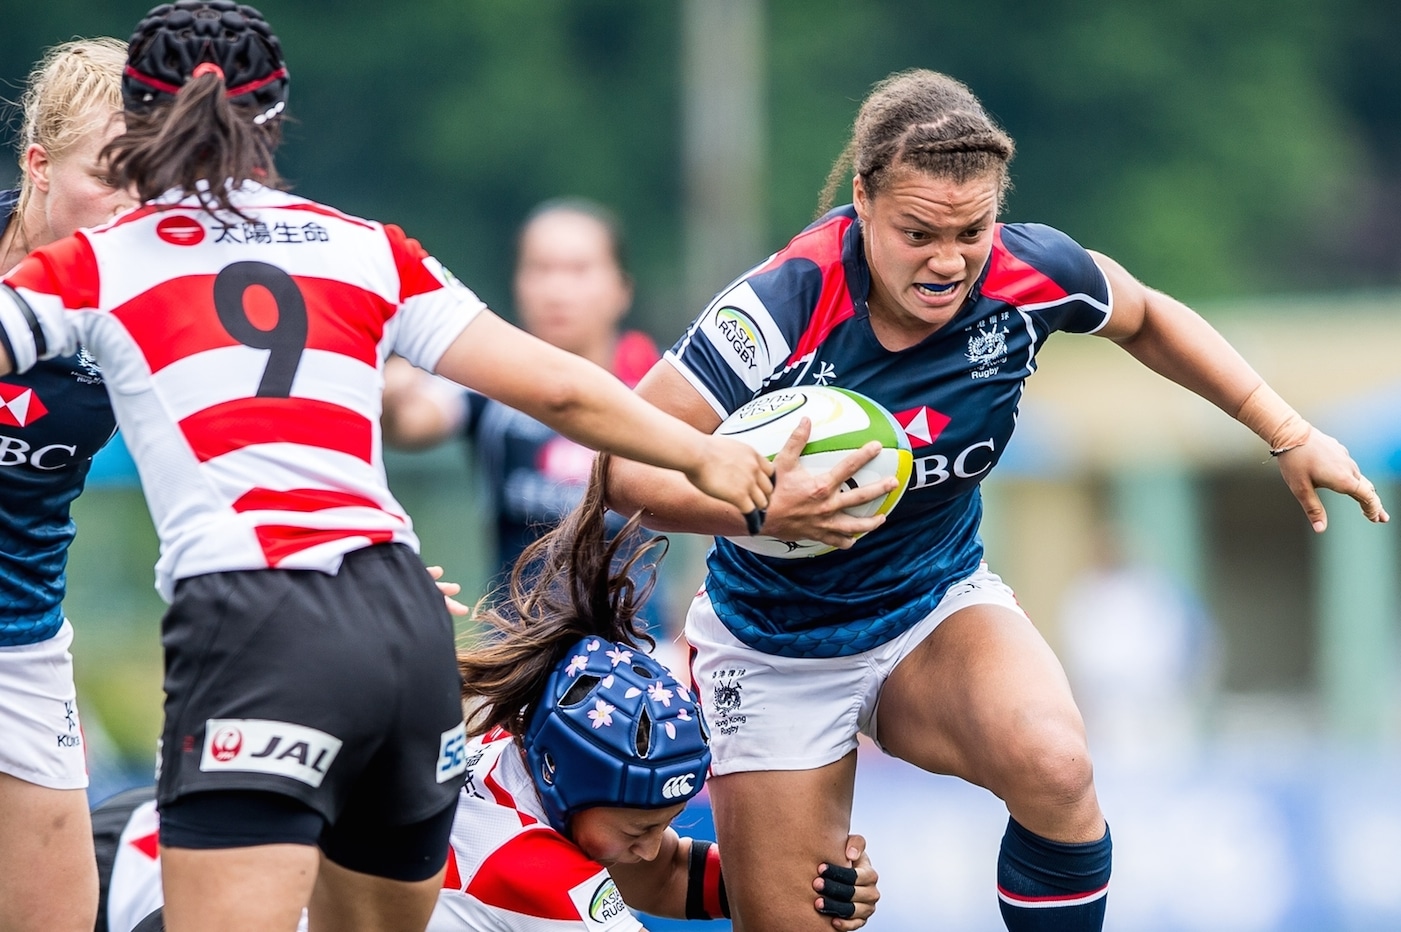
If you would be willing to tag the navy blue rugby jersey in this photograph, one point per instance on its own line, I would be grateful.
(53, 420)
(801, 318)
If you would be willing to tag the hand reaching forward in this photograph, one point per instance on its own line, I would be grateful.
(735, 472)
(1320, 462)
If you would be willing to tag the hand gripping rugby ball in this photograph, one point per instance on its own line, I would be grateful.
(842, 421)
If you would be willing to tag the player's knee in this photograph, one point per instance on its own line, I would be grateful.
(1051, 762)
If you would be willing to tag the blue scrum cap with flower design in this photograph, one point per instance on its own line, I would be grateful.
(614, 728)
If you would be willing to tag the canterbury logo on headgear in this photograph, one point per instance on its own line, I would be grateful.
(677, 787)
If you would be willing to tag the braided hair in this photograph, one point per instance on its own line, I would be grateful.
(925, 121)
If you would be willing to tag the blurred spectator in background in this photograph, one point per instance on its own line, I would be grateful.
(1142, 656)
(572, 288)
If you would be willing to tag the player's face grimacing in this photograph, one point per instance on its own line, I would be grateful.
(927, 240)
(616, 835)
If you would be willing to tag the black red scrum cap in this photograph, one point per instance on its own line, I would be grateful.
(175, 41)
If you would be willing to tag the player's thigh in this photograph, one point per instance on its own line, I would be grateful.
(349, 901)
(48, 872)
(982, 697)
(774, 828)
(261, 887)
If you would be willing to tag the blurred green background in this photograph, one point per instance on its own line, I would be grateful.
(1242, 155)
(1219, 150)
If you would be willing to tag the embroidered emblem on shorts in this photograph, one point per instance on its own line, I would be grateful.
(262, 746)
(726, 699)
(73, 738)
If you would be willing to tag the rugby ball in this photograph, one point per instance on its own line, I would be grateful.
(842, 421)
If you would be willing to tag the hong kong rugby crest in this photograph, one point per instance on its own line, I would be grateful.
(725, 700)
(987, 346)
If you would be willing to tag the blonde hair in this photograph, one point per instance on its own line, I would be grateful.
(72, 81)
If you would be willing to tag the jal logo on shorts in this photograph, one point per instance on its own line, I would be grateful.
(452, 753)
(254, 745)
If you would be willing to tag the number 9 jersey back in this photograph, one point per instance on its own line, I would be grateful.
(243, 356)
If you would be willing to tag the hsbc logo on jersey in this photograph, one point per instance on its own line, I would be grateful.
(19, 406)
(678, 787)
(969, 463)
(254, 745)
(922, 425)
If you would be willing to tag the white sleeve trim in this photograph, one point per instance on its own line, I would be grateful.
(696, 383)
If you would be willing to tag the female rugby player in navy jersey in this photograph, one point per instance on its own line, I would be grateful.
(313, 729)
(916, 296)
(53, 419)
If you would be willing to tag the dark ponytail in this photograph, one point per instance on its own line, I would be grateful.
(567, 585)
(199, 142)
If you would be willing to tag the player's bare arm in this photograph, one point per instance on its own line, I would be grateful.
(589, 405)
(1177, 343)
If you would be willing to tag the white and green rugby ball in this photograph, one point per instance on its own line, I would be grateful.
(842, 421)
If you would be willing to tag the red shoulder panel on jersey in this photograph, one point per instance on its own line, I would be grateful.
(280, 541)
(823, 246)
(243, 422)
(532, 874)
(67, 269)
(414, 277)
(1014, 281)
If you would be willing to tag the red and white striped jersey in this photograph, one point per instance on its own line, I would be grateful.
(508, 870)
(244, 358)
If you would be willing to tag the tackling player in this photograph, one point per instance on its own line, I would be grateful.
(53, 419)
(311, 689)
(916, 296)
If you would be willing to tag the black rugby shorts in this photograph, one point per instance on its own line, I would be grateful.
(339, 691)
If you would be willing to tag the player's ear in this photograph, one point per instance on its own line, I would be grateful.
(36, 166)
(860, 198)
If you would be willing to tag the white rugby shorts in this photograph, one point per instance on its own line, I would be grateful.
(43, 737)
(768, 712)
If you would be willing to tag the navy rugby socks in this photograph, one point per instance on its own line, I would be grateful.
(1050, 886)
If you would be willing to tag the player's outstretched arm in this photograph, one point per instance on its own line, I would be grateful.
(1174, 341)
(589, 405)
(803, 506)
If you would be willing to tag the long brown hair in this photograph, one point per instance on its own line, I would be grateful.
(199, 143)
(569, 584)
